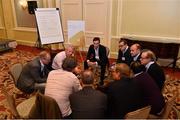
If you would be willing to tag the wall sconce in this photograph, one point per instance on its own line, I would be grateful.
(23, 4)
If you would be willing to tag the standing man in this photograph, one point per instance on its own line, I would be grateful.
(88, 103)
(148, 59)
(97, 56)
(34, 73)
(58, 59)
(136, 52)
(124, 55)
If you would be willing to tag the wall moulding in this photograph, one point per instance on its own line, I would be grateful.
(25, 29)
(149, 38)
(2, 28)
(28, 43)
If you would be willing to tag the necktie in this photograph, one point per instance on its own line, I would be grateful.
(42, 71)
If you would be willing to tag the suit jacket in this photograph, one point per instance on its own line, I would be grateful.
(123, 96)
(151, 93)
(31, 74)
(138, 58)
(103, 59)
(157, 73)
(127, 55)
(88, 104)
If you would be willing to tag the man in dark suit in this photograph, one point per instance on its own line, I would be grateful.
(124, 55)
(151, 93)
(123, 94)
(135, 50)
(34, 73)
(97, 56)
(148, 59)
(88, 103)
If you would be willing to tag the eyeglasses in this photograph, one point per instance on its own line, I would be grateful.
(143, 58)
(47, 59)
(96, 43)
(121, 45)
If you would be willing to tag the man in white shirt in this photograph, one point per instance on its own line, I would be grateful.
(97, 55)
(58, 59)
(61, 83)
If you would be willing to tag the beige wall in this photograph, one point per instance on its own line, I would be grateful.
(2, 28)
(150, 20)
(2, 25)
(151, 17)
(114, 17)
(154, 20)
(23, 35)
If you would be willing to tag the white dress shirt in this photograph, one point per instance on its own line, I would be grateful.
(97, 53)
(58, 60)
(60, 84)
(148, 65)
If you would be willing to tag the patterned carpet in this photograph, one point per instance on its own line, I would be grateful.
(6, 61)
(10, 58)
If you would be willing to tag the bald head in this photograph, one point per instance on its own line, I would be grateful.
(87, 77)
(135, 49)
(69, 50)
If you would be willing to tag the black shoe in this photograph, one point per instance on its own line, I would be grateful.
(101, 83)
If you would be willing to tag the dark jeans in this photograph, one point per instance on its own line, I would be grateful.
(68, 117)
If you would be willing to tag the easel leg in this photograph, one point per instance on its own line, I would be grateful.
(63, 46)
(38, 43)
(81, 56)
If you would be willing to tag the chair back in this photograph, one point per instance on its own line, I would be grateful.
(142, 113)
(107, 51)
(11, 102)
(45, 108)
(15, 71)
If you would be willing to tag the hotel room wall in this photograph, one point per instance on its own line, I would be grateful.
(17, 31)
(154, 20)
(95, 13)
(2, 28)
(149, 20)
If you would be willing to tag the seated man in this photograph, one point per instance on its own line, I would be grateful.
(135, 50)
(124, 55)
(61, 83)
(123, 93)
(148, 59)
(151, 93)
(58, 59)
(97, 56)
(88, 103)
(34, 73)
